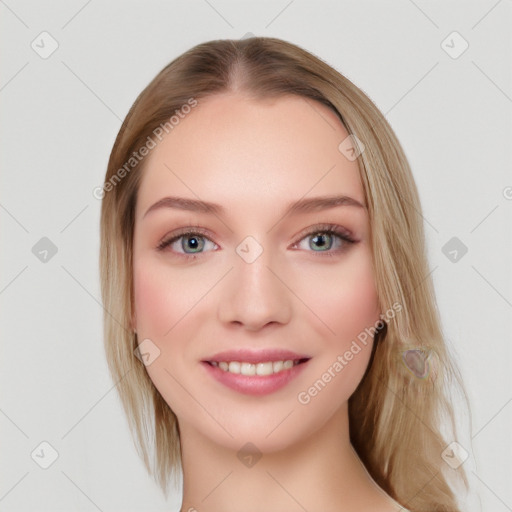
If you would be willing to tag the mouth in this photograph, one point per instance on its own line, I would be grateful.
(255, 373)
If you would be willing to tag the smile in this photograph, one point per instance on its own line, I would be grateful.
(261, 369)
(261, 378)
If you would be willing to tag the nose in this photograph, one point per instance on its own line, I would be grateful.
(255, 295)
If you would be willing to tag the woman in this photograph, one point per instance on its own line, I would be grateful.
(270, 316)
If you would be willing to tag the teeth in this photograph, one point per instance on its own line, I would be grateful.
(245, 369)
(267, 368)
(234, 367)
(264, 368)
(277, 366)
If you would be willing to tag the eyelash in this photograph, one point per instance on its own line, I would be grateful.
(325, 229)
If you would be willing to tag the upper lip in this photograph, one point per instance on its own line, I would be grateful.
(257, 356)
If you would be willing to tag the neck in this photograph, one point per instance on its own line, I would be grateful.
(323, 472)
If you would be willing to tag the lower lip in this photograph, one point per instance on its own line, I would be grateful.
(254, 384)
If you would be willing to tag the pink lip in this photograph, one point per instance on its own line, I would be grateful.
(255, 384)
(257, 356)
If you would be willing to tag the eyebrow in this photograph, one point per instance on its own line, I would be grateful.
(301, 206)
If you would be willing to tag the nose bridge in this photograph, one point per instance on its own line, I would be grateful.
(252, 294)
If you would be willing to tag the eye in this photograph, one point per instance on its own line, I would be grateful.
(328, 240)
(324, 237)
(190, 239)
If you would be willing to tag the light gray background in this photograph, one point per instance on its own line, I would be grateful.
(60, 118)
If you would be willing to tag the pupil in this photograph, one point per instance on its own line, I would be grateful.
(193, 243)
(322, 242)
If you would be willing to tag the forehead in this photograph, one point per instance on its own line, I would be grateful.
(232, 149)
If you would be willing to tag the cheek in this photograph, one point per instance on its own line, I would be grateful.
(357, 306)
(162, 298)
(348, 304)
(161, 302)
(152, 301)
(344, 300)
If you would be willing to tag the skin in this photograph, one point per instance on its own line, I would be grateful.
(255, 157)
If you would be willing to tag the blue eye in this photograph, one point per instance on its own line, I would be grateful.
(325, 240)
(322, 236)
(190, 239)
(195, 242)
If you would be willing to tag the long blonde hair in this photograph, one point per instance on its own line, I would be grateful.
(396, 415)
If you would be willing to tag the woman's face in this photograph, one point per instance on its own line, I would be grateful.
(255, 275)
